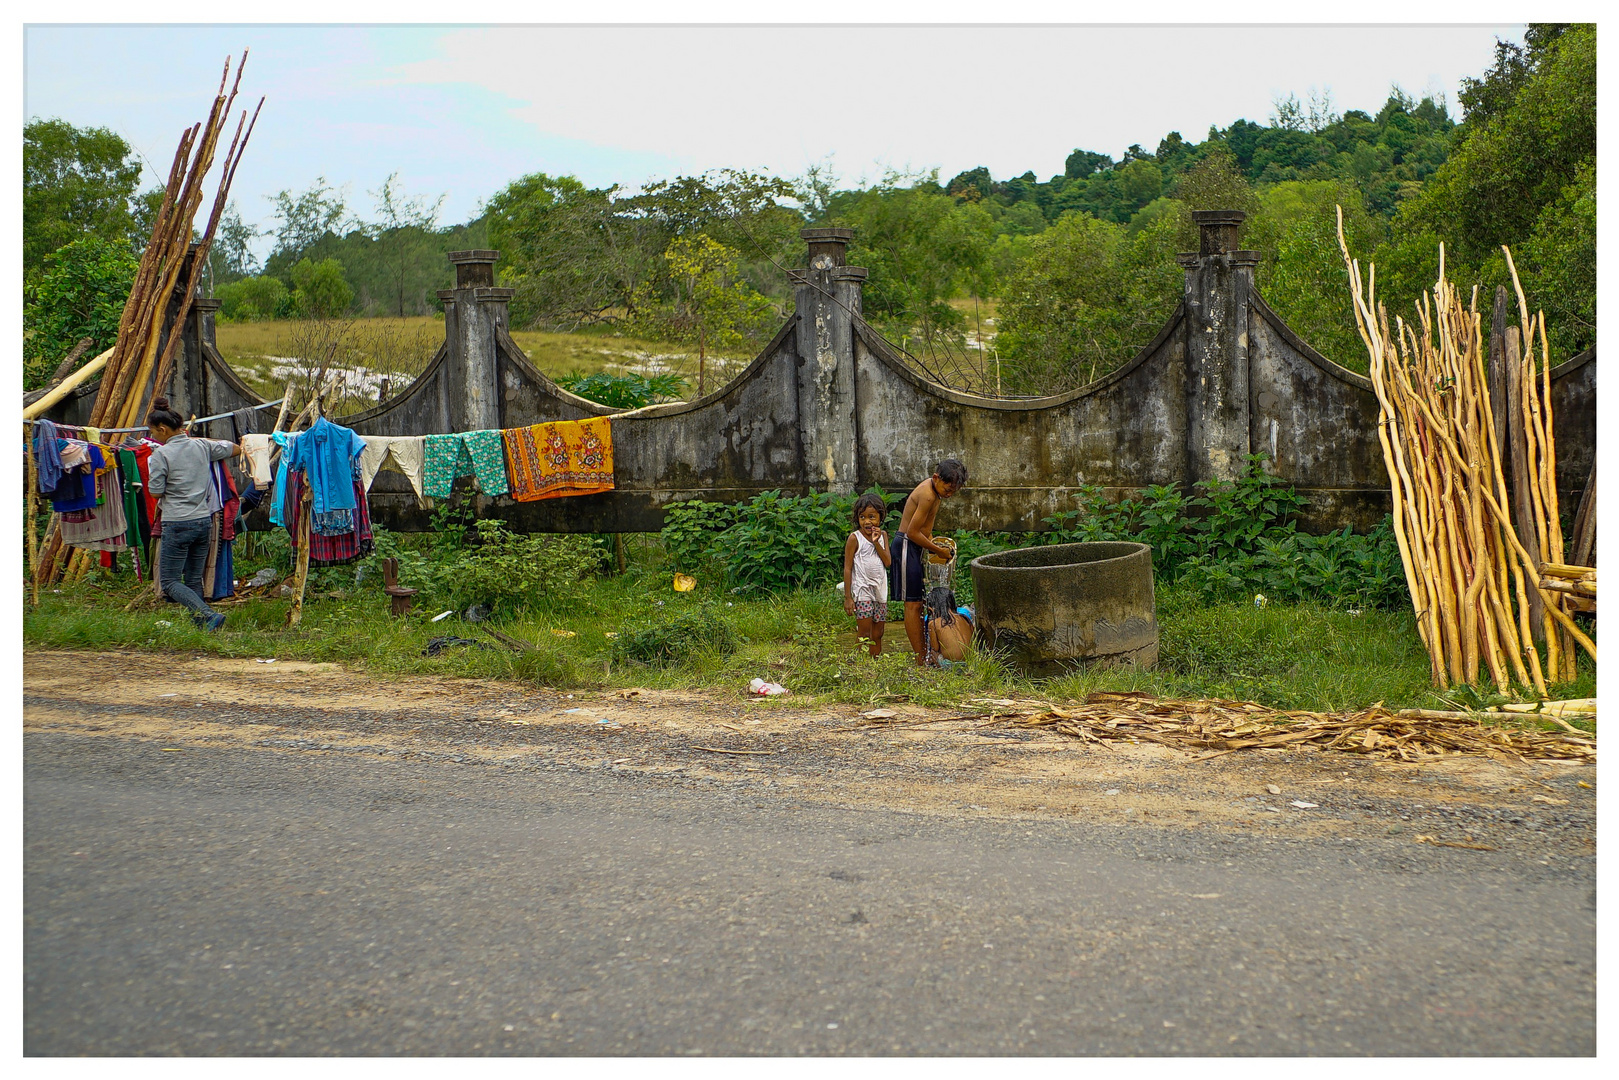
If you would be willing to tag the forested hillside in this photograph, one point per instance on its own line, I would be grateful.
(1081, 262)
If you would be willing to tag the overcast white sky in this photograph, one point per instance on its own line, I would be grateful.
(462, 111)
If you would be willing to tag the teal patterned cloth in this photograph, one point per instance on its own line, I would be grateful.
(479, 454)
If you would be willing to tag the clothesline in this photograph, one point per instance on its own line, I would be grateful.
(198, 420)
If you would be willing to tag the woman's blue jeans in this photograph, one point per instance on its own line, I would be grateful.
(180, 561)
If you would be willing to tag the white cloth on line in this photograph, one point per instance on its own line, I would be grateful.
(256, 448)
(398, 453)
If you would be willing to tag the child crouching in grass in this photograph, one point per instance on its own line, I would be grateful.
(865, 570)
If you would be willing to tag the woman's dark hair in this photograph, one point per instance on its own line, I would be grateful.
(869, 501)
(941, 605)
(163, 415)
(952, 471)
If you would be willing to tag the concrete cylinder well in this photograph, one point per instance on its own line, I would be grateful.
(1049, 609)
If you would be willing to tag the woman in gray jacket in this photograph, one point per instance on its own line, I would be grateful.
(180, 477)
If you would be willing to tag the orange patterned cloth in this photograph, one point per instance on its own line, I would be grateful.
(566, 457)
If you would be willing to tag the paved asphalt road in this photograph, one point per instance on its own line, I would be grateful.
(232, 901)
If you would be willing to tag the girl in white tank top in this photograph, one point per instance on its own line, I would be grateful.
(865, 571)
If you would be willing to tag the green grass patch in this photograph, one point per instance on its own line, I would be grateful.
(635, 630)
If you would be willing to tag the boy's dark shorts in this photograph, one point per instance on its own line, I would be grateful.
(905, 572)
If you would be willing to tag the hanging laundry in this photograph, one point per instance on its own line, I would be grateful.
(75, 453)
(101, 528)
(328, 453)
(230, 500)
(285, 440)
(476, 453)
(76, 488)
(565, 457)
(244, 422)
(400, 453)
(210, 561)
(154, 520)
(47, 456)
(329, 550)
(256, 449)
(129, 471)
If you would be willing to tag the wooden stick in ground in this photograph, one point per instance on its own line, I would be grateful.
(1501, 598)
(1585, 523)
(286, 399)
(1534, 464)
(301, 579)
(32, 522)
(1518, 441)
(1555, 515)
(1497, 378)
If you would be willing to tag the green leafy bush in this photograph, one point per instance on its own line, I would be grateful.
(80, 294)
(491, 565)
(690, 529)
(319, 289)
(254, 298)
(771, 543)
(676, 636)
(1235, 539)
(623, 391)
(785, 542)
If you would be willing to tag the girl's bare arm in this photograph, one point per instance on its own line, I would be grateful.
(848, 573)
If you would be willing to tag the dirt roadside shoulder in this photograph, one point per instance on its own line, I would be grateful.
(926, 763)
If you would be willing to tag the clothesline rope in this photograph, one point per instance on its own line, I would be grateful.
(198, 420)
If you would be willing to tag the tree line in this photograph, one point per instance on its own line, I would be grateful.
(1081, 263)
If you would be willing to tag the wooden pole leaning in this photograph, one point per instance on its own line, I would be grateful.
(301, 577)
(32, 523)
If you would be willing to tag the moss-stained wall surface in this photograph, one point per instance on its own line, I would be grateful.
(828, 404)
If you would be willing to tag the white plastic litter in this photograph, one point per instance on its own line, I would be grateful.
(442, 615)
(767, 689)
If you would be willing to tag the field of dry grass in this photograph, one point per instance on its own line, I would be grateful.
(263, 353)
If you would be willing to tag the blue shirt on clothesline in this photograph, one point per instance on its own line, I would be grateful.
(327, 453)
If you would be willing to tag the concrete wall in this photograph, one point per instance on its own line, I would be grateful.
(828, 405)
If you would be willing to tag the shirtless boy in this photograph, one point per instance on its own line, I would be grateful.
(916, 539)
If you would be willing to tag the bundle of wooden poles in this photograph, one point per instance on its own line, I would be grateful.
(1476, 589)
(141, 360)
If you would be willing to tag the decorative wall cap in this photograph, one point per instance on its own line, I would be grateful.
(849, 273)
(1192, 259)
(207, 303)
(446, 295)
(489, 294)
(827, 235)
(1219, 217)
(475, 255)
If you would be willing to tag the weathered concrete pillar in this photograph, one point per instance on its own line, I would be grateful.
(473, 311)
(828, 299)
(1219, 281)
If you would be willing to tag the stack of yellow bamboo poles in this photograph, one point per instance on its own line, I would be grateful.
(1529, 374)
(135, 367)
(1470, 577)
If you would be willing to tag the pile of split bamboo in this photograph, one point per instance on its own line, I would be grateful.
(1476, 588)
(142, 358)
(1212, 727)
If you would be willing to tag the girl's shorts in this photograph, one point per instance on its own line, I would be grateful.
(876, 610)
